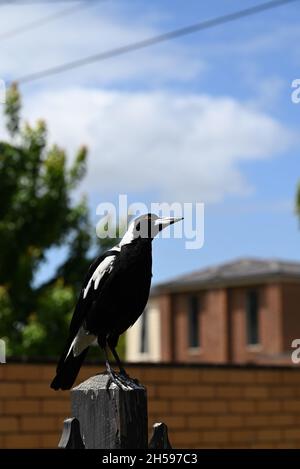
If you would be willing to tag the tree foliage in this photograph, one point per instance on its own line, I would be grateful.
(297, 204)
(37, 213)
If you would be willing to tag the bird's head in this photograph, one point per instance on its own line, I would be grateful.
(147, 226)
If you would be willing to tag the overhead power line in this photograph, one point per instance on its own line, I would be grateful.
(154, 40)
(46, 19)
(32, 2)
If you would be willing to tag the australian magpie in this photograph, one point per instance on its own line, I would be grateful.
(113, 296)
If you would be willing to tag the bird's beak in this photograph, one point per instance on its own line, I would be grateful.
(166, 221)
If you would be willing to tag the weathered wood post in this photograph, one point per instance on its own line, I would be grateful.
(110, 417)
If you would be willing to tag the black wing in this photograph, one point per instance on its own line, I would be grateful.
(84, 303)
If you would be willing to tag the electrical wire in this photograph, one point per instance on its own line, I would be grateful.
(154, 40)
(45, 20)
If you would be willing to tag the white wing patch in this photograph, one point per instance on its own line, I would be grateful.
(81, 341)
(83, 338)
(104, 267)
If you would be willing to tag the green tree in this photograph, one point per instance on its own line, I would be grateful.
(297, 204)
(37, 213)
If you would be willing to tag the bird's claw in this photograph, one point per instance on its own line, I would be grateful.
(113, 377)
(132, 383)
(122, 380)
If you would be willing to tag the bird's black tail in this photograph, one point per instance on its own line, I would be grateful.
(67, 370)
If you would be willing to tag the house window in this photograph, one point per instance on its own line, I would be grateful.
(252, 319)
(144, 347)
(193, 322)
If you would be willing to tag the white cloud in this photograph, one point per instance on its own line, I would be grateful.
(181, 147)
(93, 30)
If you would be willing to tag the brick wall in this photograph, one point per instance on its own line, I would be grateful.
(290, 314)
(270, 329)
(222, 324)
(203, 406)
(212, 320)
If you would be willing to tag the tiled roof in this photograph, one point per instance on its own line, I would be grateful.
(236, 271)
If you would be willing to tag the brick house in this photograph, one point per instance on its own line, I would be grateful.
(244, 311)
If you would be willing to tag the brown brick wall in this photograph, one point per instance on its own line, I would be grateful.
(204, 407)
(271, 318)
(290, 313)
(222, 325)
(212, 328)
(270, 330)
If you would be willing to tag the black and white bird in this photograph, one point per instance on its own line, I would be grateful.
(114, 295)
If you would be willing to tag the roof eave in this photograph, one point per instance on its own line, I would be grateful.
(224, 283)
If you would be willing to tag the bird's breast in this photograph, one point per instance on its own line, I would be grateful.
(126, 295)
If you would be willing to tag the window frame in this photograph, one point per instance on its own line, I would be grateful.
(252, 316)
(144, 334)
(193, 322)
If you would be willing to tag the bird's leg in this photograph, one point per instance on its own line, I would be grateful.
(123, 376)
(112, 342)
(113, 376)
(111, 373)
(119, 363)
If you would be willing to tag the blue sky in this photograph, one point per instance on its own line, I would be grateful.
(207, 117)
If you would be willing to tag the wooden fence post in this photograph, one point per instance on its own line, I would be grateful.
(110, 418)
(160, 438)
(71, 437)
